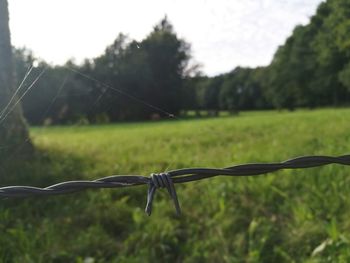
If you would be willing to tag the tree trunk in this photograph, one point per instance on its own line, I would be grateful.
(13, 131)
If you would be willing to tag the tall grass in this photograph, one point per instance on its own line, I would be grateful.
(288, 216)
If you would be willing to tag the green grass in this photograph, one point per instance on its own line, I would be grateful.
(280, 217)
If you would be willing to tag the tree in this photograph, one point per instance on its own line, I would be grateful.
(167, 57)
(207, 92)
(124, 67)
(151, 71)
(241, 90)
(312, 67)
(13, 130)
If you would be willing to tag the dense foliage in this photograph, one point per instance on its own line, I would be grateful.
(131, 76)
(312, 69)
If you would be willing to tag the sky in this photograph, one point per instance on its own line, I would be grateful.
(223, 33)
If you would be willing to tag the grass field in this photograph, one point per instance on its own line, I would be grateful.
(287, 216)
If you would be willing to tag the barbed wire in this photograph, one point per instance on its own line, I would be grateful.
(168, 179)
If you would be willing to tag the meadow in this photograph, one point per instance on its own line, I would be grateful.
(287, 216)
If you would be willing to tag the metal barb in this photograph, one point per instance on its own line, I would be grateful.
(162, 180)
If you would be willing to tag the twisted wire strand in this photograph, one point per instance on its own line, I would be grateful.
(168, 179)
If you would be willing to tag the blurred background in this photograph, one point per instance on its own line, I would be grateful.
(90, 89)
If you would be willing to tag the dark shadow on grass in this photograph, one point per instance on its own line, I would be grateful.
(42, 168)
(60, 228)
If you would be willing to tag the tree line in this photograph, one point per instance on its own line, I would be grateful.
(153, 78)
(131, 80)
(311, 69)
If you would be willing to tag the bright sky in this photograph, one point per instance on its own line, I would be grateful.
(223, 33)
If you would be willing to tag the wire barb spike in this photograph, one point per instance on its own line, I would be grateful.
(162, 180)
